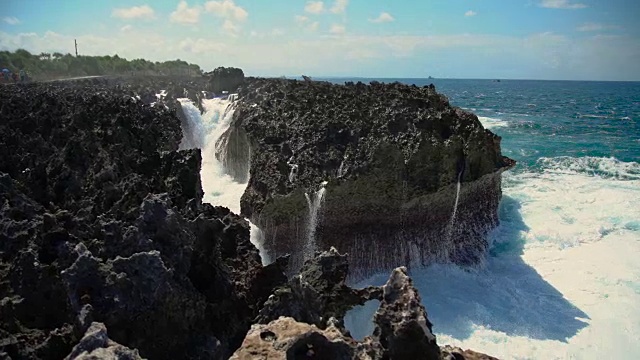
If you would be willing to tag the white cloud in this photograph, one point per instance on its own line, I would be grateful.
(470, 13)
(11, 20)
(230, 27)
(596, 27)
(300, 19)
(339, 6)
(201, 46)
(126, 28)
(314, 7)
(561, 4)
(135, 12)
(382, 18)
(545, 55)
(185, 15)
(274, 33)
(226, 9)
(304, 21)
(314, 26)
(337, 29)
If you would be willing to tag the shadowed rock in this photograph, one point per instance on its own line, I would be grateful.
(101, 219)
(225, 79)
(318, 293)
(402, 326)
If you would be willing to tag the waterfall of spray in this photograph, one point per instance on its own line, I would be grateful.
(343, 169)
(202, 131)
(294, 170)
(453, 215)
(314, 201)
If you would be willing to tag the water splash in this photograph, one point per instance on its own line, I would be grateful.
(203, 131)
(342, 170)
(294, 170)
(314, 201)
(455, 209)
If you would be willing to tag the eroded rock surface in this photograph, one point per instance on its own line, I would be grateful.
(96, 345)
(101, 219)
(392, 155)
(402, 328)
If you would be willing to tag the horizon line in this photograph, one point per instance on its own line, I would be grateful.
(342, 77)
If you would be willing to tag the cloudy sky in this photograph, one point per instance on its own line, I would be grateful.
(517, 39)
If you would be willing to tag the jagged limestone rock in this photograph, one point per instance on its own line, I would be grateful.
(96, 345)
(392, 155)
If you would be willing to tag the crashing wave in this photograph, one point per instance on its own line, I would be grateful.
(605, 167)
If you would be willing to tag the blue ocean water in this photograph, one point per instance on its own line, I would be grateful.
(561, 278)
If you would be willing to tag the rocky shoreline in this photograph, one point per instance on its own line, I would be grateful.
(392, 158)
(106, 246)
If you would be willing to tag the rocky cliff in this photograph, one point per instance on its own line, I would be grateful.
(101, 219)
(389, 157)
(102, 226)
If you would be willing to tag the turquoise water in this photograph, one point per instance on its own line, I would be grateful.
(561, 278)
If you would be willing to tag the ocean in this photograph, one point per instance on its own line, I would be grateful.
(562, 277)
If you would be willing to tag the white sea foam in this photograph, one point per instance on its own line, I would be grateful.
(492, 123)
(202, 131)
(591, 165)
(562, 281)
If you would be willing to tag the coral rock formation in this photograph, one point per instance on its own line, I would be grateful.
(392, 155)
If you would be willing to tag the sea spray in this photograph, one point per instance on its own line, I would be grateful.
(342, 170)
(256, 235)
(204, 131)
(453, 219)
(314, 201)
(294, 170)
(194, 131)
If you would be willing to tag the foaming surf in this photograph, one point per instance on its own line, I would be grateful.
(492, 123)
(562, 278)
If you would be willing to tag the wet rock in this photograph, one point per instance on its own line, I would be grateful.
(96, 345)
(392, 155)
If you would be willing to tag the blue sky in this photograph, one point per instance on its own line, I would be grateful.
(519, 39)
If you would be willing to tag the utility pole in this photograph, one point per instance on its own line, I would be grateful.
(75, 42)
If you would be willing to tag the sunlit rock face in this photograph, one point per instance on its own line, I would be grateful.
(389, 173)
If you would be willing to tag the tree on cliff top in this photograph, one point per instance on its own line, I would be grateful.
(46, 65)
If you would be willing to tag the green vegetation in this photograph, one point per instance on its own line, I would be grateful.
(56, 65)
